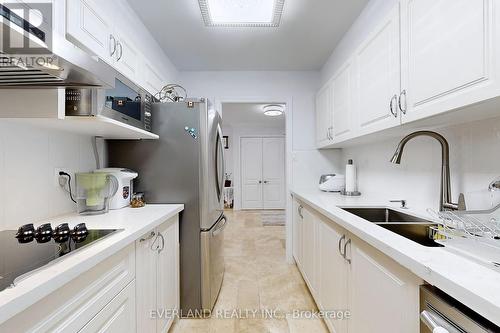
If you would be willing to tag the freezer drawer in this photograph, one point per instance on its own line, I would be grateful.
(212, 263)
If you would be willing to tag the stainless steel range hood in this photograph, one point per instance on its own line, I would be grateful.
(65, 65)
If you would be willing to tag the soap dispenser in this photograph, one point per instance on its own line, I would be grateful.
(351, 187)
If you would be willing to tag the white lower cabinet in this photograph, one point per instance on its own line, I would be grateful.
(333, 293)
(116, 317)
(158, 277)
(347, 275)
(297, 222)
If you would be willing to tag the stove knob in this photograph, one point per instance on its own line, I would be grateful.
(27, 230)
(26, 233)
(80, 230)
(43, 233)
(61, 233)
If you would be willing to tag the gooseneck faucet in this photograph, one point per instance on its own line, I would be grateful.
(445, 201)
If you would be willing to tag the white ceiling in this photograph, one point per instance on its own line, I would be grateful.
(249, 114)
(309, 31)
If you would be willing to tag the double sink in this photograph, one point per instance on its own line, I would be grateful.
(411, 227)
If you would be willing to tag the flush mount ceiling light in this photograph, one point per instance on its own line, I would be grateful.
(242, 13)
(273, 110)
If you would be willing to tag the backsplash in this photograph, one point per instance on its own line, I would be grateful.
(28, 158)
(474, 163)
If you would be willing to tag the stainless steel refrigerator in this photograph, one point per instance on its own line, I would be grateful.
(186, 165)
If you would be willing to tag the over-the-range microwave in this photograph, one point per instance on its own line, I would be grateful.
(125, 102)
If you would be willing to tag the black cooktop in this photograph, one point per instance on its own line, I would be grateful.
(20, 256)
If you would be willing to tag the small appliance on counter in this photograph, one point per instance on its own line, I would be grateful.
(124, 182)
(332, 183)
(93, 191)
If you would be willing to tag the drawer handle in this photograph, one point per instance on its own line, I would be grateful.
(428, 320)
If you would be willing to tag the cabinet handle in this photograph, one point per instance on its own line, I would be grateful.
(265, 182)
(345, 251)
(340, 245)
(403, 93)
(330, 131)
(112, 40)
(151, 235)
(328, 134)
(300, 212)
(391, 105)
(121, 52)
(162, 243)
(260, 181)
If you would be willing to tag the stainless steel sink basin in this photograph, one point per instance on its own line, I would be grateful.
(411, 227)
(378, 215)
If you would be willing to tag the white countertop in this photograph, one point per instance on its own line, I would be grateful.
(473, 284)
(135, 222)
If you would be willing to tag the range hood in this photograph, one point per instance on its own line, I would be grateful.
(64, 65)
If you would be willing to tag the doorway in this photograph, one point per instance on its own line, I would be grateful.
(262, 172)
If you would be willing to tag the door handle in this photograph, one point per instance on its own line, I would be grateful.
(121, 52)
(427, 318)
(345, 251)
(220, 228)
(112, 40)
(391, 105)
(340, 245)
(403, 93)
(162, 242)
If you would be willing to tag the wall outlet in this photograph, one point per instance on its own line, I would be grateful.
(60, 181)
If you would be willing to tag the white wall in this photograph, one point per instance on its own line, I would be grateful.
(474, 162)
(300, 88)
(28, 158)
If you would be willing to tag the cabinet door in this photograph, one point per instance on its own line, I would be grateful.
(333, 275)
(116, 317)
(324, 121)
(342, 104)
(308, 245)
(127, 58)
(87, 27)
(168, 274)
(450, 53)
(297, 233)
(378, 71)
(151, 79)
(383, 295)
(146, 265)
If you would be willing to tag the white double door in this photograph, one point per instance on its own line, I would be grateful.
(263, 173)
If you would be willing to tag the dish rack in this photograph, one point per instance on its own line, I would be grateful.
(473, 233)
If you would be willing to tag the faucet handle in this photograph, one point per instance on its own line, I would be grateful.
(403, 203)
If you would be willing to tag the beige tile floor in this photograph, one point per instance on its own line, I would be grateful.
(257, 278)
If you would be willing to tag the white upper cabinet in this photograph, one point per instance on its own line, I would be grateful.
(87, 27)
(115, 40)
(450, 52)
(378, 70)
(126, 57)
(324, 117)
(343, 110)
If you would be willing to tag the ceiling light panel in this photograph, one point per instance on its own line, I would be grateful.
(242, 13)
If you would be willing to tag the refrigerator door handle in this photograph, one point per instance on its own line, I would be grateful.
(221, 227)
(219, 162)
